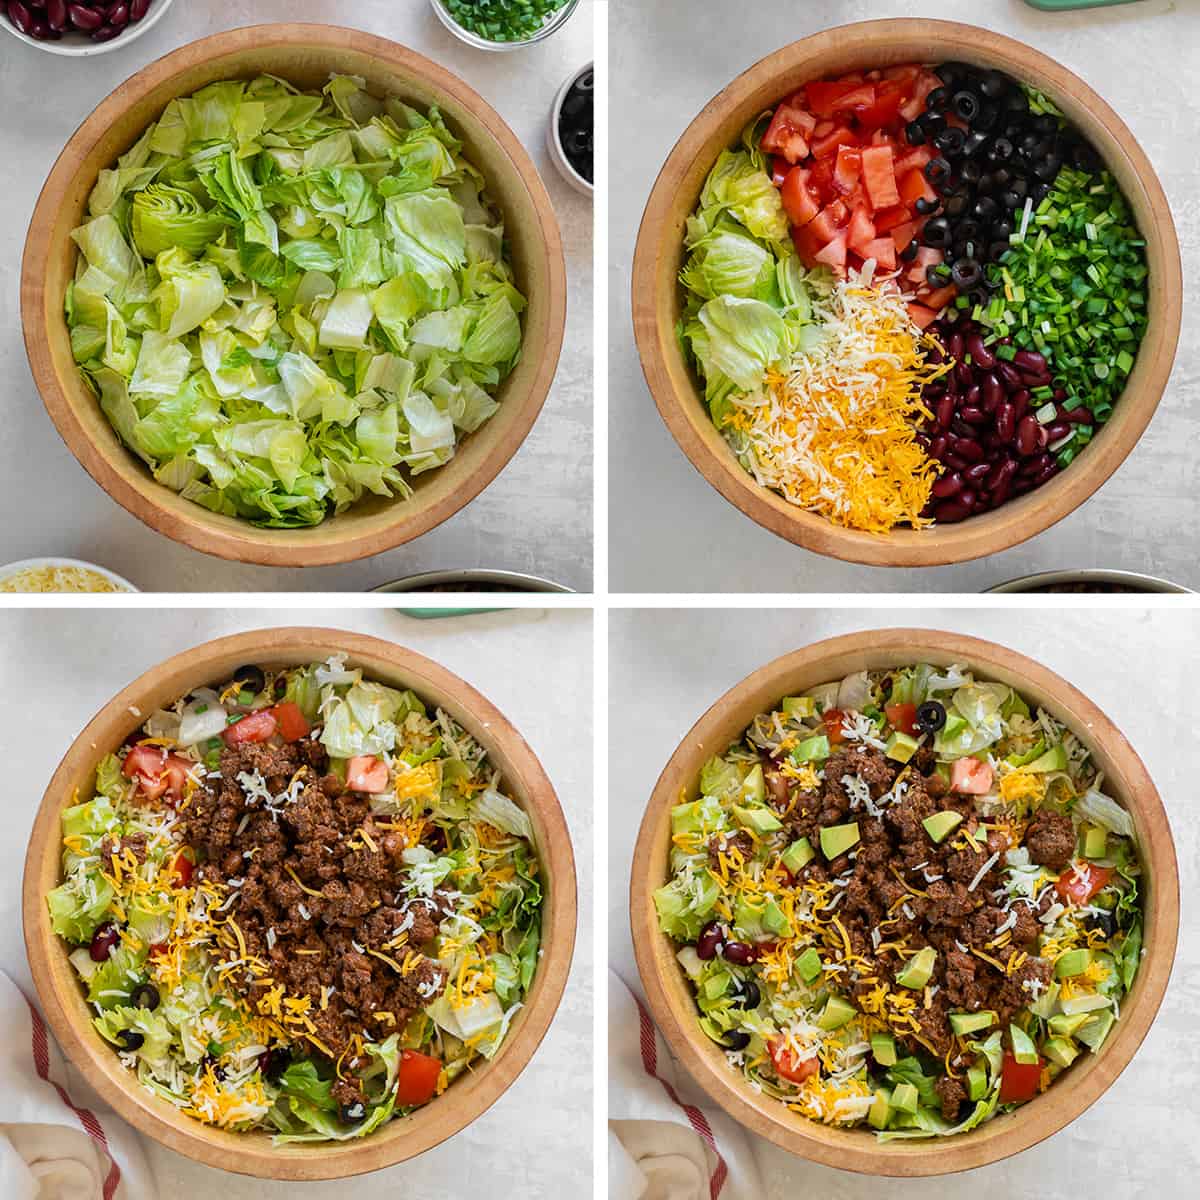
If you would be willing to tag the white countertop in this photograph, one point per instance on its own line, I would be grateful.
(55, 673)
(671, 531)
(535, 516)
(1139, 1140)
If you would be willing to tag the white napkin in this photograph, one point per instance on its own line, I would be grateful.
(57, 1144)
(666, 1142)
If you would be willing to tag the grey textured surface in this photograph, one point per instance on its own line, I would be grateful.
(670, 530)
(1142, 1138)
(536, 1141)
(536, 516)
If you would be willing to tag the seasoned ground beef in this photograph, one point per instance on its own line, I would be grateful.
(319, 887)
(1051, 839)
(722, 843)
(900, 882)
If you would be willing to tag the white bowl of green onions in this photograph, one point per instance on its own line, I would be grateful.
(503, 24)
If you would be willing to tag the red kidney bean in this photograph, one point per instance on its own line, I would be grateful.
(118, 15)
(954, 462)
(1032, 466)
(954, 346)
(1034, 381)
(947, 486)
(1004, 473)
(973, 416)
(963, 376)
(1008, 375)
(1047, 473)
(711, 937)
(1060, 394)
(740, 953)
(1027, 435)
(1020, 405)
(1029, 360)
(105, 33)
(970, 449)
(104, 942)
(56, 14)
(967, 498)
(949, 512)
(20, 16)
(981, 356)
(40, 30)
(1005, 422)
(973, 396)
(993, 391)
(978, 472)
(960, 429)
(84, 18)
(1059, 429)
(1078, 416)
(137, 10)
(945, 412)
(1021, 486)
(1000, 494)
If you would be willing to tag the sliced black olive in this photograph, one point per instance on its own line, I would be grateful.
(352, 1113)
(931, 716)
(932, 122)
(735, 1039)
(131, 1039)
(966, 105)
(1039, 192)
(1001, 150)
(145, 996)
(1021, 187)
(1045, 123)
(968, 229)
(977, 297)
(1102, 920)
(1011, 200)
(925, 206)
(986, 209)
(987, 119)
(993, 84)
(251, 678)
(938, 99)
(1016, 101)
(957, 205)
(747, 995)
(272, 1063)
(974, 142)
(910, 251)
(937, 275)
(966, 274)
(951, 72)
(1002, 230)
(970, 172)
(915, 132)
(1084, 158)
(950, 141)
(986, 184)
(1002, 177)
(937, 232)
(937, 170)
(996, 251)
(1048, 168)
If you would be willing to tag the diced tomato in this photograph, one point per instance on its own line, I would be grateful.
(158, 773)
(847, 169)
(938, 298)
(1080, 886)
(970, 777)
(807, 244)
(822, 96)
(157, 948)
(253, 727)
(887, 219)
(879, 178)
(798, 200)
(1019, 1081)
(905, 73)
(182, 869)
(921, 316)
(789, 1065)
(927, 256)
(858, 99)
(779, 169)
(913, 158)
(902, 234)
(832, 719)
(883, 251)
(821, 178)
(417, 1079)
(861, 231)
(886, 108)
(366, 773)
(786, 134)
(914, 186)
(834, 253)
(902, 717)
(293, 724)
(919, 88)
(827, 146)
(828, 221)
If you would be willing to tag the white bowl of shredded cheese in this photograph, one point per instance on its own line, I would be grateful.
(60, 575)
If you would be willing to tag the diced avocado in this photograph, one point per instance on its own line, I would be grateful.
(916, 972)
(1068, 1024)
(799, 706)
(905, 1097)
(1095, 841)
(808, 965)
(813, 749)
(1073, 962)
(1062, 1051)
(774, 921)
(1094, 1032)
(837, 839)
(1024, 1051)
(798, 855)
(761, 820)
(940, 825)
(883, 1049)
(1046, 1003)
(716, 985)
(836, 1013)
(1019, 760)
(1055, 759)
(977, 1083)
(901, 747)
(1092, 1002)
(880, 1110)
(754, 786)
(953, 727)
(963, 1023)
(747, 920)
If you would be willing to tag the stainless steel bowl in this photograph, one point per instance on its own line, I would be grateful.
(1095, 578)
(472, 580)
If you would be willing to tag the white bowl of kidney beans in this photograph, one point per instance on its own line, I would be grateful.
(79, 28)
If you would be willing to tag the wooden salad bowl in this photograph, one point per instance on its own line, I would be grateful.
(305, 55)
(660, 256)
(62, 998)
(669, 992)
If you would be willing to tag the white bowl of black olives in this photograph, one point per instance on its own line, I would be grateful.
(570, 131)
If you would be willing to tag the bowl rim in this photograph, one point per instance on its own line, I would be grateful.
(681, 409)
(252, 1154)
(130, 484)
(855, 1150)
(1137, 580)
(469, 38)
(90, 49)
